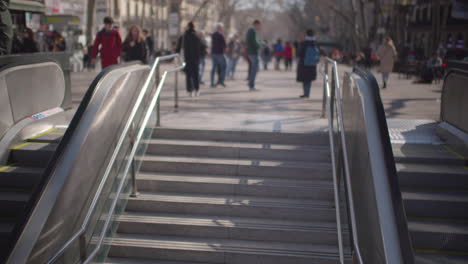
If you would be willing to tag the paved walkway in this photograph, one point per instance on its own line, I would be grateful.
(276, 106)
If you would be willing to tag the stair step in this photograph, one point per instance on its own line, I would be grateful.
(440, 258)
(52, 137)
(219, 250)
(32, 154)
(238, 150)
(425, 153)
(258, 168)
(313, 138)
(144, 261)
(225, 227)
(12, 203)
(432, 176)
(20, 177)
(235, 185)
(227, 205)
(450, 205)
(443, 235)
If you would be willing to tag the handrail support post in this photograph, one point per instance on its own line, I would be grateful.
(134, 192)
(158, 103)
(176, 91)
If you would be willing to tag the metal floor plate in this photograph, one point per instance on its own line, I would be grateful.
(409, 131)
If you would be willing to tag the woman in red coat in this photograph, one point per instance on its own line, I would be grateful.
(110, 42)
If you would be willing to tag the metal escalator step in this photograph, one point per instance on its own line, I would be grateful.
(13, 203)
(435, 257)
(428, 154)
(432, 176)
(47, 138)
(6, 228)
(434, 234)
(20, 177)
(32, 154)
(434, 204)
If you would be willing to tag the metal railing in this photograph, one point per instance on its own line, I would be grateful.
(364, 178)
(155, 101)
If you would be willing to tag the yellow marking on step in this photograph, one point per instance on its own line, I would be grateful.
(4, 168)
(21, 145)
(56, 133)
(43, 133)
(454, 152)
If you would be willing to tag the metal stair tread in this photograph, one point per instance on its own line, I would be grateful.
(35, 146)
(438, 226)
(14, 196)
(262, 146)
(21, 169)
(239, 162)
(241, 180)
(234, 200)
(439, 258)
(427, 195)
(431, 168)
(144, 261)
(224, 245)
(227, 222)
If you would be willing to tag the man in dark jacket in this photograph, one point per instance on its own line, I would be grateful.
(191, 44)
(149, 45)
(218, 48)
(253, 47)
(111, 44)
(6, 30)
(309, 57)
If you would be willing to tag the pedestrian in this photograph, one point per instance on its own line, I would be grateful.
(134, 46)
(266, 55)
(203, 54)
(110, 43)
(218, 48)
(190, 43)
(57, 42)
(6, 28)
(309, 57)
(29, 45)
(288, 55)
(149, 46)
(386, 54)
(234, 51)
(253, 48)
(278, 50)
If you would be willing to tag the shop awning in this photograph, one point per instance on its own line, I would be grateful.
(29, 6)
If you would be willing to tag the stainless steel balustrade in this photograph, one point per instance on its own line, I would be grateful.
(25, 244)
(361, 161)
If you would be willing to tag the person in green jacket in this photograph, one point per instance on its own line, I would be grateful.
(253, 48)
(6, 30)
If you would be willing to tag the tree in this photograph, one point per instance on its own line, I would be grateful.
(90, 11)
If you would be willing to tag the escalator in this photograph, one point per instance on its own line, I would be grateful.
(18, 180)
(53, 158)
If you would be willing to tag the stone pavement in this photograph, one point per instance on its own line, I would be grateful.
(276, 106)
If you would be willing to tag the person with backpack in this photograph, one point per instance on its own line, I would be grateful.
(234, 51)
(288, 55)
(278, 50)
(309, 57)
(110, 43)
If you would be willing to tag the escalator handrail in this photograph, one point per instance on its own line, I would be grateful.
(333, 94)
(116, 151)
(329, 91)
(27, 238)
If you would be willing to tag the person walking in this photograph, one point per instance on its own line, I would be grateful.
(134, 46)
(253, 48)
(309, 57)
(57, 42)
(191, 44)
(288, 56)
(234, 51)
(6, 28)
(386, 54)
(110, 43)
(278, 50)
(149, 46)
(203, 54)
(266, 55)
(218, 48)
(29, 45)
